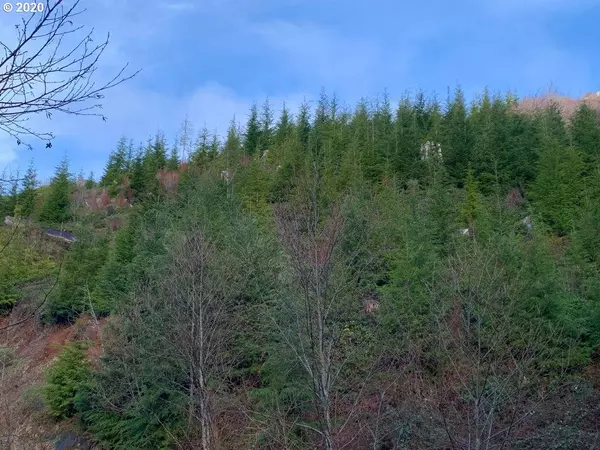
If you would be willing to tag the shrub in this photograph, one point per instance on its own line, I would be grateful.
(65, 378)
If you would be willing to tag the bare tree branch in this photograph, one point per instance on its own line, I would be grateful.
(51, 68)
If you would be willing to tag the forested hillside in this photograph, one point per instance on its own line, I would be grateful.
(420, 275)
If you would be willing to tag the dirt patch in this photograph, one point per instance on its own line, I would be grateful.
(29, 348)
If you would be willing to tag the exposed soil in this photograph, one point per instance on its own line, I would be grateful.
(30, 348)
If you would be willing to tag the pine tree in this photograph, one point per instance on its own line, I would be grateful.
(138, 180)
(252, 136)
(303, 126)
(585, 133)
(199, 156)
(233, 145)
(472, 205)
(13, 195)
(27, 198)
(266, 133)
(407, 140)
(483, 157)
(65, 378)
(159, 152)
(383, 139)
(284, 127)
(116, 167)
(559, 185)
(57, 208)
(458, 138)
(214, 147)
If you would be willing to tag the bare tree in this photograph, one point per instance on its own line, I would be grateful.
(492, 356)
(187, 319)
(318, 302)
(51, 68)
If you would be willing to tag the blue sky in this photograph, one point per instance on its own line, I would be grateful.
(210, 59)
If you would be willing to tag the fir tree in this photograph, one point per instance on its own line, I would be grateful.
(214, 147)
(13, 195)
(406, 141)
(57, 208)
(199, 156)
(284, 127)
(559, 185)
(585, 133)
(116, 167)
(303, 126)
(458, 139)
(266, 133)
(28, 194)
(233, 144)
(252, 136)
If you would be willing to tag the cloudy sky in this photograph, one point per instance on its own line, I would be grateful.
(210, 59)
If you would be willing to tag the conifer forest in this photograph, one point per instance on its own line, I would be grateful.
(413, 274)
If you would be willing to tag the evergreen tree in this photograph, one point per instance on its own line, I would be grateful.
(559, 185)
(303, 126)
(116, 167)
(199, 156)
(27, 198)
(383, 129)
(159, 152)
(13, 195)
(233, 144)
(585, 133)
(115, 280)
(138, 179)
(458, 138)
(214, 147)
(471, 208)
(266, 133)
(65, 378)
(407, 140)
(252, 136)
(483, 157)
(57, 207)
(284, 127)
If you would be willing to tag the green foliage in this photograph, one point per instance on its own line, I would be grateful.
(115, 280)
(557, 190)
(253, 133)
(65, 379)
(57, 207)
(20, 262)
(458, 138)
(585, 132)
(80, 271)
(27, 197)
(117, 166)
